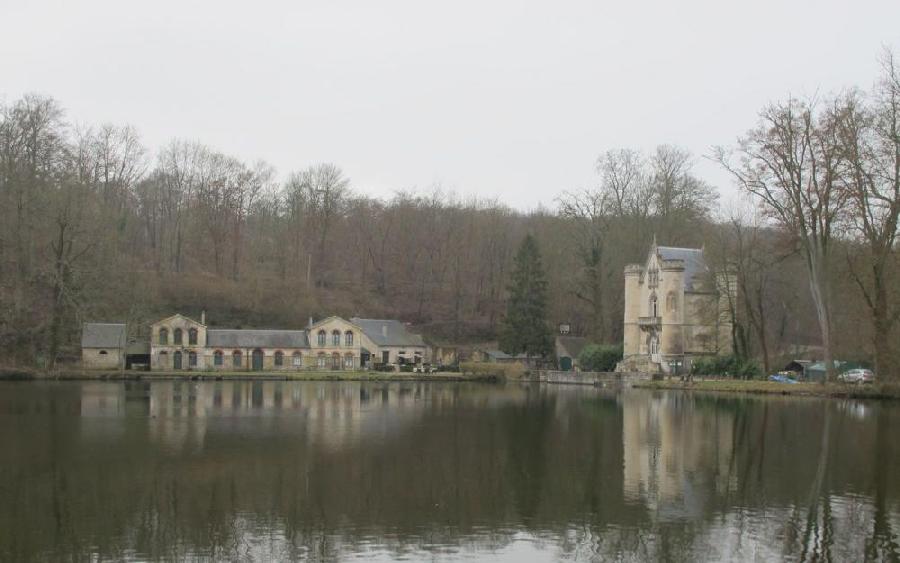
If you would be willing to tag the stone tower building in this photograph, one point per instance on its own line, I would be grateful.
(675, 311)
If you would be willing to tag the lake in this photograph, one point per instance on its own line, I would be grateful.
(329, 471)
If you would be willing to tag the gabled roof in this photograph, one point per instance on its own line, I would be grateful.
(384, 332)
(234, 338)
(103, 335)
(694, 264)
(333, 318)
(178, 316)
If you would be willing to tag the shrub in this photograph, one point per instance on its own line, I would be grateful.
(597, 357)
(728, 366)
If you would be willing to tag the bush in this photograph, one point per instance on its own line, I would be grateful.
(597, 357)
(729, 366)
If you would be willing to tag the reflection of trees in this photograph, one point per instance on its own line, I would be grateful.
(443, 469)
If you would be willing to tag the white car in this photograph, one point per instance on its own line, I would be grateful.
(858, 375)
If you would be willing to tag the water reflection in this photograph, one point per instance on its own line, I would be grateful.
(377, 471)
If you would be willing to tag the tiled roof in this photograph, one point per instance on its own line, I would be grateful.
(388, 332)
(103, 335)
(694, 264)
(234, 338)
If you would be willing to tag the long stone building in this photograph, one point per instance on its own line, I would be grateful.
(182, 343)
(676, 310)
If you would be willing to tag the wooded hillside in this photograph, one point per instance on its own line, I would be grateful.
(94, 226)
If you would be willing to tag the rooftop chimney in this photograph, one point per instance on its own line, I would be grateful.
(203, 318)
(310, 323)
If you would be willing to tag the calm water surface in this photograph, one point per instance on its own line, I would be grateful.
(440, 472)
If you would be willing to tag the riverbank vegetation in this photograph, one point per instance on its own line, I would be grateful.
(95, 226)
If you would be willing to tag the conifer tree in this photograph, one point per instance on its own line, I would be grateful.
(525, 326)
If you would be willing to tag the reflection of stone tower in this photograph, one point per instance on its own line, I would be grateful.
(632, 332)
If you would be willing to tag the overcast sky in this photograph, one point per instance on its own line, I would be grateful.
(505, 99)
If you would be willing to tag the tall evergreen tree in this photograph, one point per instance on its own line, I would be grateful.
(525, 326)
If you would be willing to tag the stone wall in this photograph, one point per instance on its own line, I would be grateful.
(101, 358)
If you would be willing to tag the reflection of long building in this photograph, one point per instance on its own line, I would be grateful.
(676, 456)
(183, 412)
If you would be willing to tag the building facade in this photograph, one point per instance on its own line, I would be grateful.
(676, 310)
(181, 343)
(103, 345)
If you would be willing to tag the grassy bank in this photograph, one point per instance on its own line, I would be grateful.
(839, 390)
(17, 374)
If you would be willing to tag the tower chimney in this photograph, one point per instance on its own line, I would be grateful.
(203, 317)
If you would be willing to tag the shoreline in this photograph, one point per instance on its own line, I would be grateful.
(879, 391)
(15, 374)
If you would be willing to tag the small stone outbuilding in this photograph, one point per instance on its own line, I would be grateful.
(103, 345)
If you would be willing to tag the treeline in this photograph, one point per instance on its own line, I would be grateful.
(95, 227)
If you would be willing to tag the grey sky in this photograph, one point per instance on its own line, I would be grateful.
(508, 99)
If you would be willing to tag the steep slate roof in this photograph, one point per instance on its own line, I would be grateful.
(500, 355)
(694, 264)
(571, 346)
(234, 338)
(388, 332)
(103, 335)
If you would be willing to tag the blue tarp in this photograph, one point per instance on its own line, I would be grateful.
(781, 379)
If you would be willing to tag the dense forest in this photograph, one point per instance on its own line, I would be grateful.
(95, 226)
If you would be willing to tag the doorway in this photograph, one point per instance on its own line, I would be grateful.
(177, 360)
(257, 359)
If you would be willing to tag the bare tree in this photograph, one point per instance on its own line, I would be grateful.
(791, 162)
(869, 134)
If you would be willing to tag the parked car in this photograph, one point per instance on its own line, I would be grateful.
(859, 375)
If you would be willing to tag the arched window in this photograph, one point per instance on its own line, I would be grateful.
(335, 338)
(177, 336)
(297, 360)
(164, 336)
(348, 338)
(192, 336)
(236, 359)
(279, 358)
(218, 358)
(654, 306)
(192, 359)
(322, 360)
(322, 337)
(348, 361)
(671, 302)
(102, 352)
